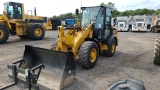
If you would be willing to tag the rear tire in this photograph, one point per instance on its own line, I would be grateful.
(157, 52)
(4, 34)
(88, 54)
(111, 49)
(35, 32)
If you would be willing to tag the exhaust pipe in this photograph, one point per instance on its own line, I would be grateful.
(35, 12)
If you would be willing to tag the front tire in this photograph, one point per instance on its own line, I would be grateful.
(4, 34)
(88, 54)
(157, 52)
(35, 32)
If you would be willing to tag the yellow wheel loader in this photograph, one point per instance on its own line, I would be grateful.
(83, 43)
(14, 21)
(93, 37)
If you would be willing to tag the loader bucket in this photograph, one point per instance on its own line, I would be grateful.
(60, 68)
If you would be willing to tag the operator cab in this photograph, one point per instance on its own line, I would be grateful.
(13, 10)
(100, 17)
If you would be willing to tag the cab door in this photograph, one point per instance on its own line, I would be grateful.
(17, 11)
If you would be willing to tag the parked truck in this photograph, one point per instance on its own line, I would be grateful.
(55, 23)
(70, 22)
(140, 23)
(122, 23)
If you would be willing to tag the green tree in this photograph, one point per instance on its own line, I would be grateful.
(103, 4)
(157, 12)
(110, 4)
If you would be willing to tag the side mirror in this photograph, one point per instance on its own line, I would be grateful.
(77, 11)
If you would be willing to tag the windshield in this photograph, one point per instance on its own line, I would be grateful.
(9, 9)
(13, 10)
(89, 14)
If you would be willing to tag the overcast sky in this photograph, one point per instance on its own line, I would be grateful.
(57, 7)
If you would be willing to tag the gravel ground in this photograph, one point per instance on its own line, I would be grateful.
(133, 59)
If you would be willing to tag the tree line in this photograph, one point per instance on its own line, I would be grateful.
(144, 11)
(116, 12)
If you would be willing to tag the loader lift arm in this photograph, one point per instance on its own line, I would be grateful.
(73, 39)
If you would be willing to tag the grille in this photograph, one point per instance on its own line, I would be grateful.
(121, 25)
(139, 24)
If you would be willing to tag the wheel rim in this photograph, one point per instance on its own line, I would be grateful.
(93, 55)
(38, 32)
(113, 47)
(1, 33)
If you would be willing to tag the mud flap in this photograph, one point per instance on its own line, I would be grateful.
(59, 71)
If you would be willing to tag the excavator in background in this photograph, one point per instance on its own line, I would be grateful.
(83, 43)
(14, 21)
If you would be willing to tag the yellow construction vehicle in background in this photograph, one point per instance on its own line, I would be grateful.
(83, 43)
(15, 22)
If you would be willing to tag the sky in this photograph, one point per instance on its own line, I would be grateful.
(50, 8)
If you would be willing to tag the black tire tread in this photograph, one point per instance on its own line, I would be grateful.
(6, 34)
(30, 32)
(157, 52)
(83, 54)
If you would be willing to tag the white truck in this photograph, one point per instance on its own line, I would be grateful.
(142, 23)
(122, 23)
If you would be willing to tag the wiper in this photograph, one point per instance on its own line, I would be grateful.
(98, 13)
